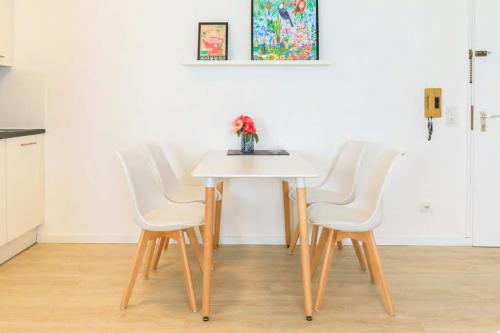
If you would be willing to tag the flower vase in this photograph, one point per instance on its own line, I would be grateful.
(247, 146)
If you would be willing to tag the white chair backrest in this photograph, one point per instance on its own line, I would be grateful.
(345, 170)
(375, 169)
(147, 194)
(164, 162)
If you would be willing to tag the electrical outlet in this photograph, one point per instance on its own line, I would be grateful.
(426, 208)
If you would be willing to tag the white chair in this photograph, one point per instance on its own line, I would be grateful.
(165, 162)
(158, 218)
(338, 188)
(356, 220)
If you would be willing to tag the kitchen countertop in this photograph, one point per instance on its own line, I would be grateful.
(14, 133)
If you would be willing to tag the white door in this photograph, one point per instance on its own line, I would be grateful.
(486, 141)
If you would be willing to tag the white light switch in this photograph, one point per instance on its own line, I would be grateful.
(451, 116)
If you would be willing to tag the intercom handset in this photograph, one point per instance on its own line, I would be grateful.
(433, 107)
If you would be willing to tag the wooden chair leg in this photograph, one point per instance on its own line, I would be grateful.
(327, 263)
(136, 266)
(359, 254)
(314, 239)
(369, 263)
(218, 214)
(286, 212)
(159, 250)
(202, 233)
(379, 273)
(167, 243)
(340, 245)
(188, 280)
(195, 245)
(318, 252)
(294, 240)
(149, 258)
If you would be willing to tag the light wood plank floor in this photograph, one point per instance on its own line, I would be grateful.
(77, 288)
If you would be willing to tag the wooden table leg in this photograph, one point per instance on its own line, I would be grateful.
(304, 248)
(286, 212)
(218, 214)
(208, 247)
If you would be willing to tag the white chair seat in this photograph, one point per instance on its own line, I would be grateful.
(316, 195)
(336, 217)
(175, 217)
(190, 194)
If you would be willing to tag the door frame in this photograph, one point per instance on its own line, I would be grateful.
(473, 126)
(469, 232)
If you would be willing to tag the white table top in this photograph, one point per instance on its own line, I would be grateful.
(219, 165)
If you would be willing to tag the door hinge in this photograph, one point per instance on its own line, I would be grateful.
(471, 65)
(472, 117)
(481, 53)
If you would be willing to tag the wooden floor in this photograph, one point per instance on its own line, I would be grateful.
(77, 288)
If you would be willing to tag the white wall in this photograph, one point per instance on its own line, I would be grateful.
(114, 79)
(22, 99)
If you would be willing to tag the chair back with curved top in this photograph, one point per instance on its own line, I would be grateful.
(371, 184)
(146, 193)
(344, 172)
(164, 164)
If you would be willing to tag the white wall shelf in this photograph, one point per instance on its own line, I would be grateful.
(245, 63)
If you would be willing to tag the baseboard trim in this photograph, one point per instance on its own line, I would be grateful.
(381, 240)
(87, 238)
(253, 239)
(18, 245)
(424, 241)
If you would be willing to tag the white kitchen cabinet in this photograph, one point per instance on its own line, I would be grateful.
(24, 170)
(6, 32)
(3, 222)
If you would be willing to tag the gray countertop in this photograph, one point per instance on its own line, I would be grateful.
(14, 133)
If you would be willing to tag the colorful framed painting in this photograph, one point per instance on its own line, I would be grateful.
(212, 40)
(285, 30)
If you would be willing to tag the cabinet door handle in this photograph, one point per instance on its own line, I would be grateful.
(28, 144)
(2, 56)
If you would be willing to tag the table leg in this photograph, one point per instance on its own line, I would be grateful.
(304, 248)
(208, 247)
(286, 212)
(218, 214)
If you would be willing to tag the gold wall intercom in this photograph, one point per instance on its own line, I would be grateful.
(433, 107)
(433, 102)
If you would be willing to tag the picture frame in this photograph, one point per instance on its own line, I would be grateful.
(213, 41)
(274, 22)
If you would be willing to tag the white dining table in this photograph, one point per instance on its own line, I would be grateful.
(218, 166)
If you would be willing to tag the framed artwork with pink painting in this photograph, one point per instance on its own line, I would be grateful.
(212, 41)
